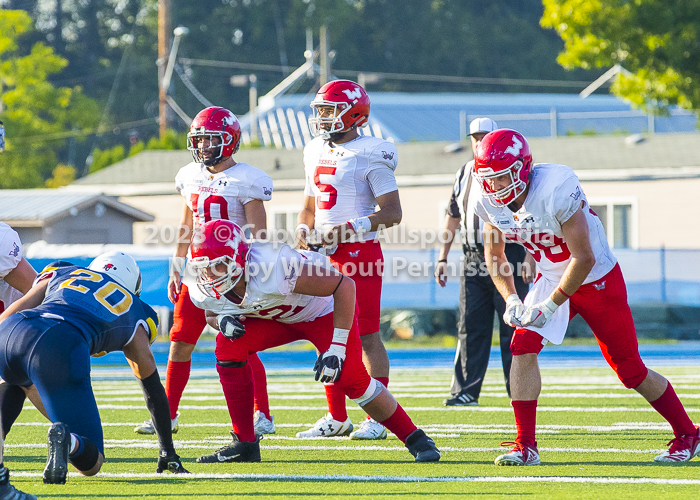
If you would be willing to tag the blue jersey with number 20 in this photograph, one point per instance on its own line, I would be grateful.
(106, 313)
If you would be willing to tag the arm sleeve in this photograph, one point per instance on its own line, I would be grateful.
(260, 189)
(308, 190)
(10, 251)
(288, 264)
(567, 199)
(453, 207)
(179, 182)
(383, 161)
(157, 404)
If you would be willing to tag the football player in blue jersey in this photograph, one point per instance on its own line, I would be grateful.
(69, 314)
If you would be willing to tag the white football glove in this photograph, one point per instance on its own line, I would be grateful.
(538, 314)
(329, 364)
(514, 309)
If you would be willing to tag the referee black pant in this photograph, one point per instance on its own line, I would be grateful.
(478, 300)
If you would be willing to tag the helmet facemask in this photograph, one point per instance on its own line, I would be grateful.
(335, 121)
(196, 139)
(506, 195)
(213, 282)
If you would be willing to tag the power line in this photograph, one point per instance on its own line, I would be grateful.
(399, 76)
(87, 131)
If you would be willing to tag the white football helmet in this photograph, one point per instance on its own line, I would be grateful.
(121, 267)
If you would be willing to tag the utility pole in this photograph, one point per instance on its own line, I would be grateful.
(253, 103)
(163, 48)
(324, 59)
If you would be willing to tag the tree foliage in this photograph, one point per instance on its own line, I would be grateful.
(34, 110)
(658, 42)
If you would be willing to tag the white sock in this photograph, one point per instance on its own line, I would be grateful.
(73, 443)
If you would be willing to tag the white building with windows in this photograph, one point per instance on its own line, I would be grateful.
(642, 187)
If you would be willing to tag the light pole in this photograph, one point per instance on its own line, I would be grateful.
(252, 81)
(179, 32)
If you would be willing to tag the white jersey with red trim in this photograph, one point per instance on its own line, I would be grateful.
(10, 257)
(221, 195)
(272, 273)
(555, 195)
(347, 178)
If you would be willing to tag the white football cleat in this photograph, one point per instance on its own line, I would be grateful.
(263, 425)
(519, 455)
(682, 448)
(369, 429)
(327, 426)
(148, 428)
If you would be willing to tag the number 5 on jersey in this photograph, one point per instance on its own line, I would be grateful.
(326, 189)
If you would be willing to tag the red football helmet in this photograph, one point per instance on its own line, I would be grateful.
(219, 242)
(350, 105)
(503, 152)
(210, 123)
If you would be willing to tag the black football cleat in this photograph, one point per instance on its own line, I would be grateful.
(422, 447)
(9, 492)
(237, 451)
(56, 470)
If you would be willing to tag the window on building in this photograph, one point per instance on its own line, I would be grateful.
(284, 220)
(619, 221)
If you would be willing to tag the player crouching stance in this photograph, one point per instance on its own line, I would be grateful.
(49, 334)
(544, 209)
(261, 295)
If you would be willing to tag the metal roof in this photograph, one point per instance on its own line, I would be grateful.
(406, 117)
(34, 207)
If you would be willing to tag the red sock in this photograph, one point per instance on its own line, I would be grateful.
(400, 424)
(237, 383)
(262, 403)
(176, 377)
(671, 408)
(336, 402)
(525, 421)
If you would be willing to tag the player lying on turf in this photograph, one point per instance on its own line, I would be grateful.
(69, 314)
(544, 208)
(262, 295)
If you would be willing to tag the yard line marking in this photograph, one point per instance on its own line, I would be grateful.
(211, 443)
(393, 479)
(497, 409)
(473, 428)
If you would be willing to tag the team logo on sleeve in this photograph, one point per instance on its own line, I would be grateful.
(576, 194)
(15, 250)
(388, 156)
(267, 191)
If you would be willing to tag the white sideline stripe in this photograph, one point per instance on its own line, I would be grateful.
(387, 479)
(142, 444)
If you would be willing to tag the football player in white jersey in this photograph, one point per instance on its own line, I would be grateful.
(544, 208)
(262, 295)
(16, 278)
(347, 176)
(214, 186)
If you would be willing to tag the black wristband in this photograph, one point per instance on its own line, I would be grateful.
(442, 260)
(157, 404)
